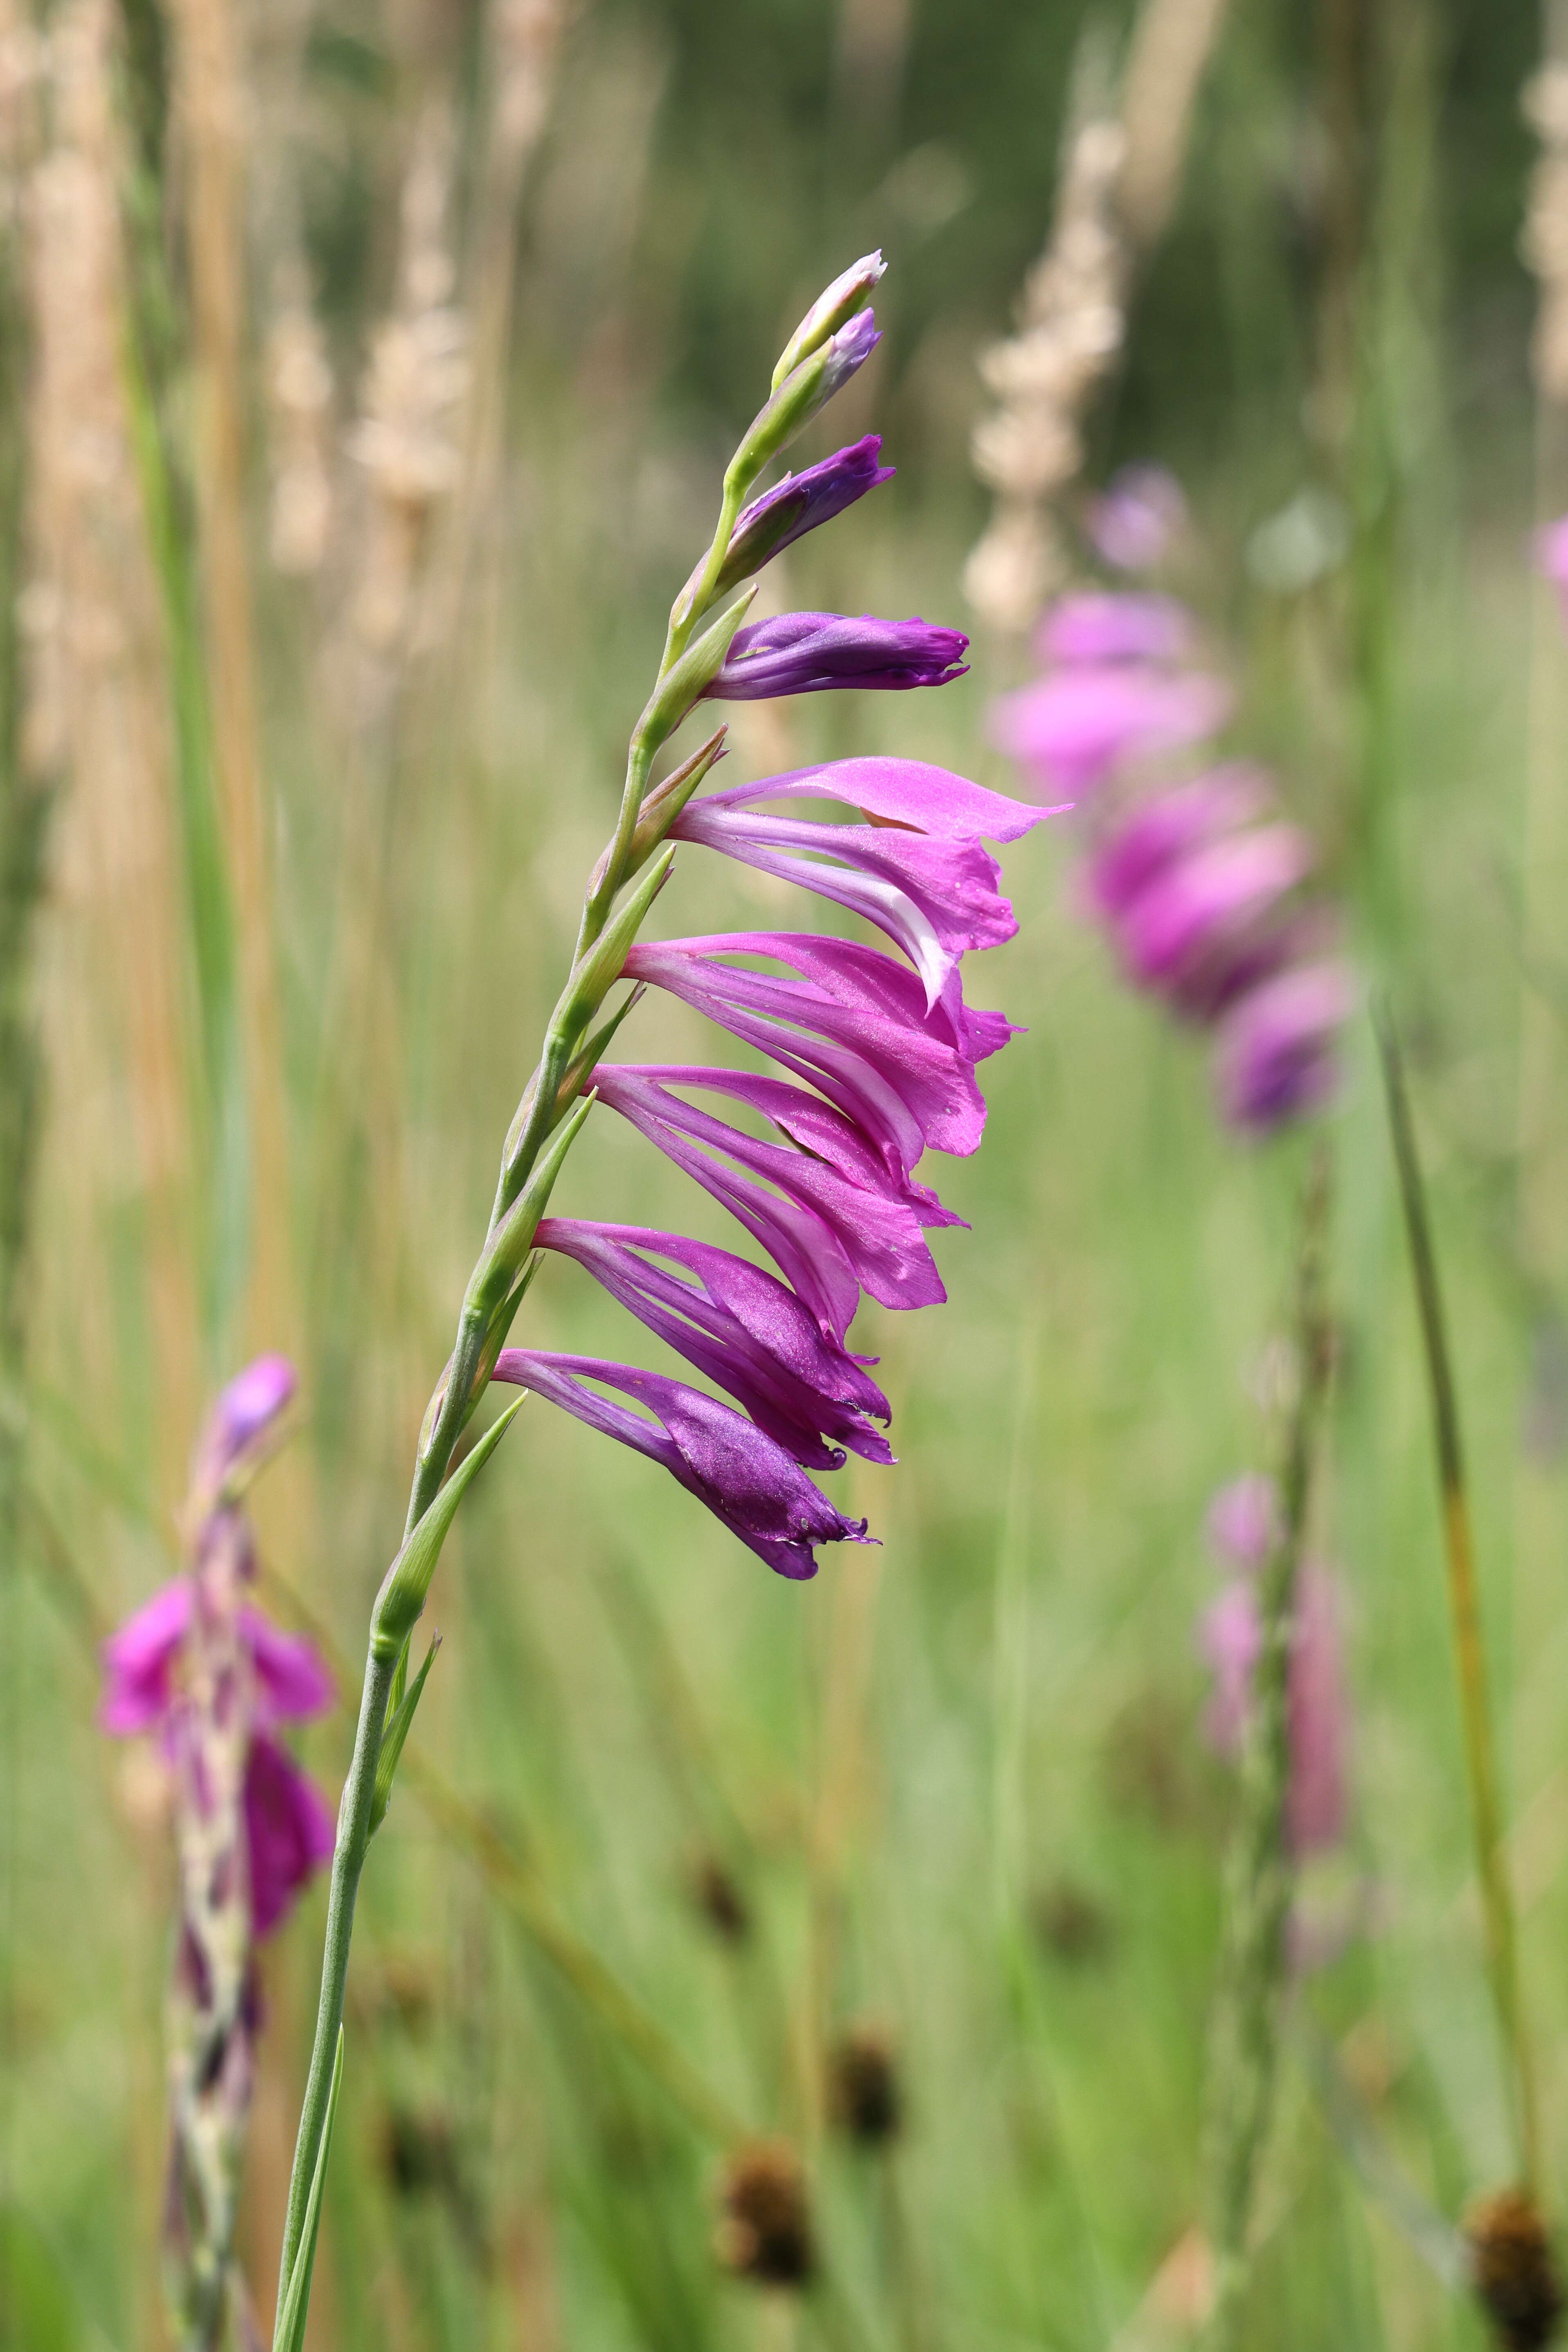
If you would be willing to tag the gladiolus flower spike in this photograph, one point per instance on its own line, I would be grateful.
(203, 1671)
(877, 1054)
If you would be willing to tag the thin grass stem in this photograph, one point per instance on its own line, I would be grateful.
(1464, 1612)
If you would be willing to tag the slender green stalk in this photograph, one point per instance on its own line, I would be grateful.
(1464, 1612)
(1244, 2055)
(687, 668)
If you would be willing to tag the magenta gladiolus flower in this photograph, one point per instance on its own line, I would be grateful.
(813, 653)
(1137, 515)
(1231, 1640)
(1277, 1048)
(1172, 825)
(742, 1326)
(1083, 631)
(1072, 729)
(798, 504)
(1195, 931)
(745, 1479)
(919, 871)
(897, 1072)
(833, 1222)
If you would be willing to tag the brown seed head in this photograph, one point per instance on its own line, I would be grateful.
(1514, 2269)
(764, 2228)
(720, 1901)
(864, 2090)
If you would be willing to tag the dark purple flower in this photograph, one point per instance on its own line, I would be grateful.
(853, 1024)
(746, 1480)
(810, 653)
(798, 504)
(289, 1830)
(1085, 630)
(1137, 515)
(1231, 1639)
(243, 1418)
(918, 870)
(833, 1222)
(742, 1326)
(1071, 729)
(1276, 1047)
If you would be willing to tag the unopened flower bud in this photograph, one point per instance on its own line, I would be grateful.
(831, 309)
(1514, 2269)
(764, 2232)
(864, 2090)
(805, 388)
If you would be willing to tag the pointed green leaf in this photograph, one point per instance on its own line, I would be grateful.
(288, 2336)
(392, 1738)
(408, 1581)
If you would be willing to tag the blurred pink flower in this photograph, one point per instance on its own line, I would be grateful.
(1230, 1639)
(1243, 1522)
(1552, 556)
(1073, 727)
(1133, 521)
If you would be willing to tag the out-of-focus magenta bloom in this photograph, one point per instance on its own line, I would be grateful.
(1231, 1639)
(746, 1479)
(919, 871)
(244, 1419)
(289, 1830)
(1195, 933)
(742, 1326)
(1207, 893)
(1082, 631)
(798, 504)
(1243, 1522)
(813, 653)
(1133, 521)
(1277, 1049)
(1073, 727)
(1552, 556)
(288, 1824)
(140, 1664)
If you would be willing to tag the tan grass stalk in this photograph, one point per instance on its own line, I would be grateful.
(95, 722)
(1121, 175)
(210, 103)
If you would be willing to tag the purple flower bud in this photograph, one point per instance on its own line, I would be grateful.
(1277, 1048)
(1135, 519)
(243, 1418)
(812, 653)
(798, 504)
(747, 1481)
(833, 310)
(1084, 630)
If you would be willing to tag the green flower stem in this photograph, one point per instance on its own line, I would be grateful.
(1464, 1610)
(1244, 2050)
(348, 1862)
